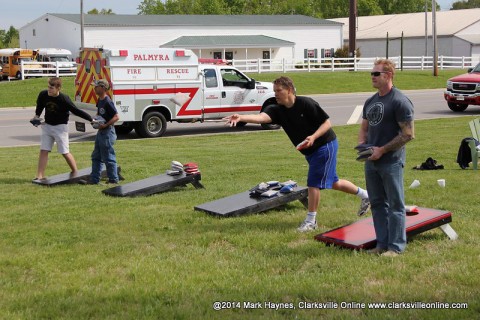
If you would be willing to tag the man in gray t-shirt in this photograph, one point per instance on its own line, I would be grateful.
(387, 125)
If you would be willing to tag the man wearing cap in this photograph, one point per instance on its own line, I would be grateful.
(104, 121)
(57, 107)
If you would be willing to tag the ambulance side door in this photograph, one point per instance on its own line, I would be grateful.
(212, 100)
(238, 93)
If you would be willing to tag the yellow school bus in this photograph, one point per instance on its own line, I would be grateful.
(11, 60)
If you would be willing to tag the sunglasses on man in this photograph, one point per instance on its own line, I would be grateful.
(377, 73)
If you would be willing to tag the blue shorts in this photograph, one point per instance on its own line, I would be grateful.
(322, 171)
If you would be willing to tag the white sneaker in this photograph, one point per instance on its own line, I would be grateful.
(307, 226)
(364, 206)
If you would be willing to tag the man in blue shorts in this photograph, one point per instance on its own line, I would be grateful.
(303, 120)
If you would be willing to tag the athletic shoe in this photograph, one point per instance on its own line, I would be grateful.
(378, 251)
(307, 226)
(364, 206)
(37, 180)
(112, 182)
(390, 253)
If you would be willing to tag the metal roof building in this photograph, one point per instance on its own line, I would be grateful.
(458, 33)
(210, 36)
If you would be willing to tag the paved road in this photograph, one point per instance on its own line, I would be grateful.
(15, 130)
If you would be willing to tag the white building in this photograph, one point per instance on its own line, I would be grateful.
(210, 36)
(458, 34)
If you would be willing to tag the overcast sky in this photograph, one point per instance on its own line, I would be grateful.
(18, 13)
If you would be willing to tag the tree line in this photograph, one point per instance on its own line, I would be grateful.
(323, 9)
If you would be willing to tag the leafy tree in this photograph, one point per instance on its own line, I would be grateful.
(103, 11)
(10, 38)
(151, 7)
(468, 4)
(325, 9)
(344, 52)
(2, 34)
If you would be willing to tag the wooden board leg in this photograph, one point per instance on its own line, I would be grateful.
(448, 230)
(304, 201)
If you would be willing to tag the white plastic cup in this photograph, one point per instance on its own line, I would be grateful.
(441, 182)
(414, 184)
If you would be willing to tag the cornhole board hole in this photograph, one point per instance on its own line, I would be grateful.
(152, 185)
(242, 203)
(361, 234)
(66, 178)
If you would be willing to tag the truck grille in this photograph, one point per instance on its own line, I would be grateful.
(464, 87)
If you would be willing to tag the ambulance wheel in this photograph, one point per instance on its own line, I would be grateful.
(241, 124)
(153, 125)
(270, 126)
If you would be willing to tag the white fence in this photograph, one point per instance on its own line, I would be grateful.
(349, 64)
(49, 69)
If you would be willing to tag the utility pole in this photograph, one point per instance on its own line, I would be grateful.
(434, 33)
(352, 29)
(426, 28)
(82, 40)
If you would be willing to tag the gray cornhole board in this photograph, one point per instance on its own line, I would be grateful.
(152, 185)
(242, 203)
(65, 178)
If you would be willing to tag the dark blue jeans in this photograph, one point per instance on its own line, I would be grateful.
(386, 194)
(104, 153)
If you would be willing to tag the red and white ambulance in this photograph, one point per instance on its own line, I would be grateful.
(150, 86)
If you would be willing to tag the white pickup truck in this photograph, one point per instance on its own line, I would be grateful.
(153, 86)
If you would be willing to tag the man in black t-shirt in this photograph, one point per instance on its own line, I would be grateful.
(57, 107)
(304, 121)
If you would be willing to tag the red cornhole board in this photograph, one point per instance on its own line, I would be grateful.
(361, 234)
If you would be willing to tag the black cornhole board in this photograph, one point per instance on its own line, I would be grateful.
(242, 203)
(361, 234)
(154, 185)
(65, 178)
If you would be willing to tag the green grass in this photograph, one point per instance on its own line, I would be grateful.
(70, 252)
(24, 93)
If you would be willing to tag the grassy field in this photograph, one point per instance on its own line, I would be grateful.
(70, 252)
(24, 93)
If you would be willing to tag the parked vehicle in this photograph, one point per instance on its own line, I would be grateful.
(60, 58)
(463, 90)
(11, 61)
(150, 86)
